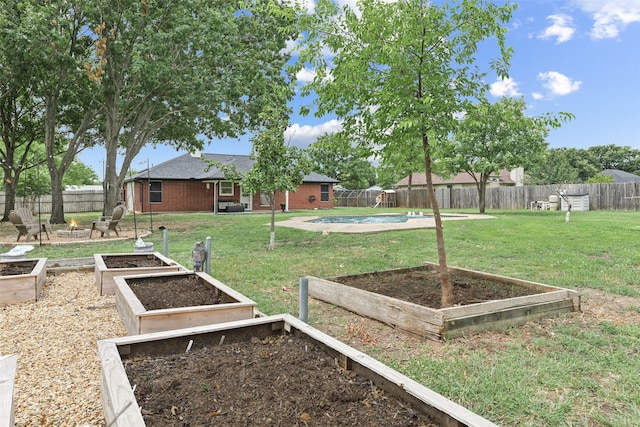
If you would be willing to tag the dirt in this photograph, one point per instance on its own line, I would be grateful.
(157, 293)
(422, 286)
(17, 268)
(274, 381)
(284, 381)
(132, 261)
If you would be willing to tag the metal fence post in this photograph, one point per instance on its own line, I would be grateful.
(304, 299)
(207, 261)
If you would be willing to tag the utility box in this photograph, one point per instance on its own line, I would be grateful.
(579, 202)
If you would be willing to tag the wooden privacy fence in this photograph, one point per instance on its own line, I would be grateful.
(74, 201)
(618, 196)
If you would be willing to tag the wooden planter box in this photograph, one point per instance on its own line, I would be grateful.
(23, 287)
(7, 378)
(105, 273)
(121, 407)
(451, 321)
(139, 320)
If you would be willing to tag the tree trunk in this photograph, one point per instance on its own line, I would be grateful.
(10, 185)
(443, 270)
(482, 191)
(409, 190)
(272, 234)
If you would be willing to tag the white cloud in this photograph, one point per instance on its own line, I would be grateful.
(537, 96)
(561, 28)
(558, 83)
(504, 87)
(304, 135)
(610, 16)
(305, 75)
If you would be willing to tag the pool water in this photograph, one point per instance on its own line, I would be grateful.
(366, 219)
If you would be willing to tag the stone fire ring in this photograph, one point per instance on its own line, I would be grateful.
(74, 234)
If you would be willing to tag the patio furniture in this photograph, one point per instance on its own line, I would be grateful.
(107, 224)
(22, 219)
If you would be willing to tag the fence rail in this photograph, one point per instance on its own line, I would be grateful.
(617, 196)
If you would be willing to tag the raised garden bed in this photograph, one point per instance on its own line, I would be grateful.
(165, 301)
(7, 378)
(408, 298)
(22, 280)
(108, 266)
(272, 370)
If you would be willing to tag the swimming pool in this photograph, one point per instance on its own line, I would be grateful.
(367, 219)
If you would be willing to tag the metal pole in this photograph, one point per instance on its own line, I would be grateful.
(207, 260)
(165, 249)
(304, 299)
(133, 200)
(149, 195)
(39, 207)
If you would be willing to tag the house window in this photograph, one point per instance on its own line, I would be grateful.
(324, 192)
(264, 198)
(155, 192)
(226, 188)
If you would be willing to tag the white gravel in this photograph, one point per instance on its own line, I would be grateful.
(58, 373)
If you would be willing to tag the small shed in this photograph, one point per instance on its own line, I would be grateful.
(579, 202)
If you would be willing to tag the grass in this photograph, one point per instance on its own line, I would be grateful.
(570, 371)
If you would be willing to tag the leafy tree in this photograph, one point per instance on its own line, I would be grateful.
(601, 179)
(80, 174)
(562, 166)
(169, 71)
(42, 49)
(338, 158)
(277, 167)
(71, 104)
(397, 164)
(492, 137)
(400, 72)
(20, 107)
(617, 157)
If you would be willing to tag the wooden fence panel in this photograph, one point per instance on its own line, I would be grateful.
(613, 196)
(74, 201)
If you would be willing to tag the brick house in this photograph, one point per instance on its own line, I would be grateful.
(187, 184)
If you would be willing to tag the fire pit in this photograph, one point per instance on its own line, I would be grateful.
(73, 232)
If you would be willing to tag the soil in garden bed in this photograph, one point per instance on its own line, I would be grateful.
(18, 268)
(275, 381)
(156, 293)
(422, 287)
(132, 261)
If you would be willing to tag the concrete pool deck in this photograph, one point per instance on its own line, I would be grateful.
(303, 223)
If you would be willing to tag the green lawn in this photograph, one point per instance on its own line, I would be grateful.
(578, 370)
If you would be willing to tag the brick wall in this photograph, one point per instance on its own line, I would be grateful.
(194, 196)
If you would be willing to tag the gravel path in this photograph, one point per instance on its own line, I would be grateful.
(58, 374)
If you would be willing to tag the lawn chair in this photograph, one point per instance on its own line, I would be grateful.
(107, 224)
(23, 220)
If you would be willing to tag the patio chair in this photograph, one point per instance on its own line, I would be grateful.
(22, 219)
(107, 224)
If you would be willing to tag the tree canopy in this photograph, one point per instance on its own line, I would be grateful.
(334, 156)
(170, 71)
(497, 136)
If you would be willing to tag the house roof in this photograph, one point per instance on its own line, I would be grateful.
(420, 178)
(621, 176)
(189, 166)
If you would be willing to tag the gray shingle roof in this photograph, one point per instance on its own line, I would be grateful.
(621, 176)
(188, 166)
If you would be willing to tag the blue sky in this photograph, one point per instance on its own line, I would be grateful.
(577, 56)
